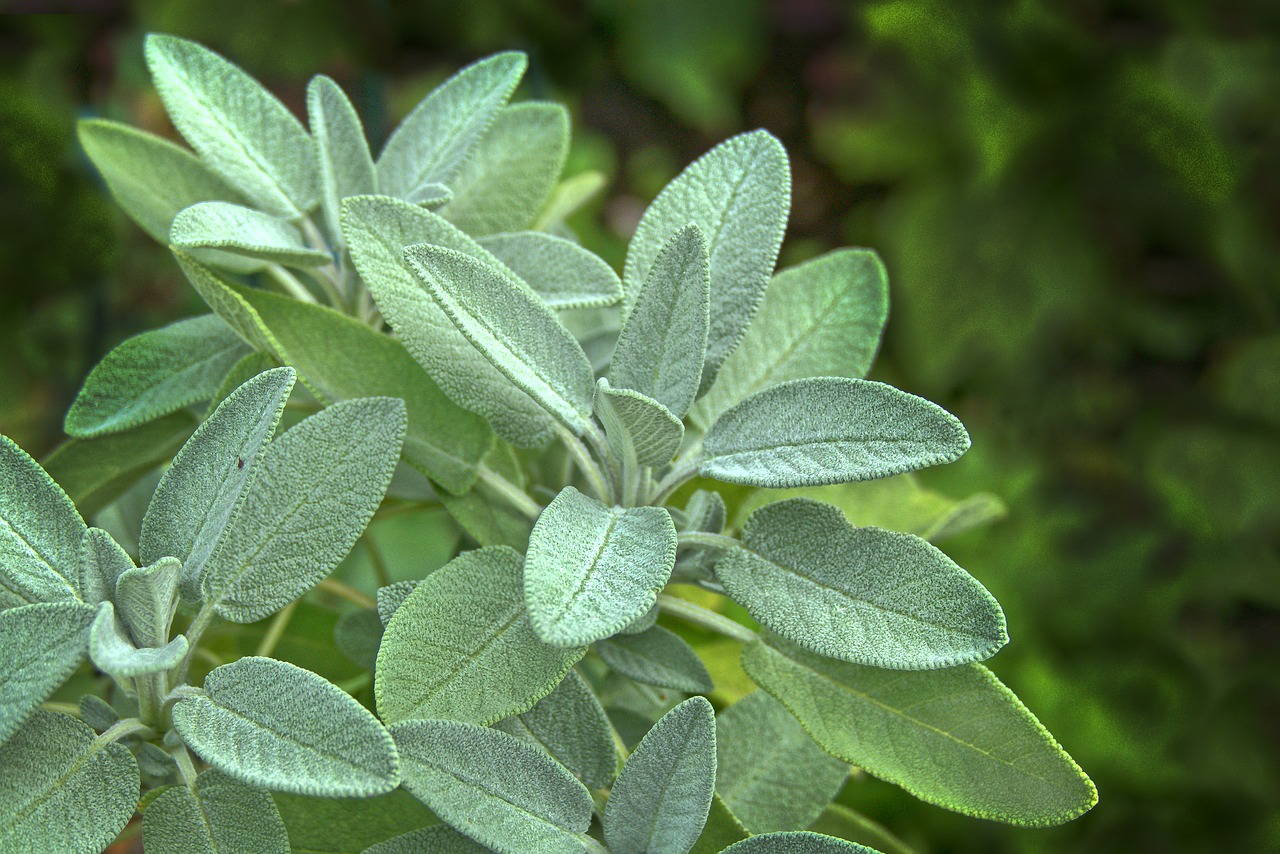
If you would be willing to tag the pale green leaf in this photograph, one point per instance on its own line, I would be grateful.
(40, 533)
(642, 623)
(722, 829)
(243, 231)
(570, 725)
(342, 153)
(40, 645)
(663, 795)
(217, 816)
(568, 197)
(501, 792)
(114, 652)
(561, 272)
(271, 724)
(357, 636)
(102, 561)
(957, 738)
(488, 517)
(146, 599)
(829, 430)
(640, 431)
(349, 825)
(659, 657)
(391, 597)
(428, 840)
(227, 303)
(461, 646)
(796, 842)
(430, 196)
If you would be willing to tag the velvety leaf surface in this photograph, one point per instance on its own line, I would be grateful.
(797, 842)
(244, 231)
(560, 271)
(227, 303)
(349, 825)
(114, 652)
(391, 597)
(342, 153)
(146, 599)
(357, 636)
(641, 431)
(429, 840)
(571, 726)
(102, 562)
(218, 816)
(659, 657)
(40, 645)
(40, 533)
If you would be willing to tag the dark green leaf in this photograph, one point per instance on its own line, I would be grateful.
(658, 657)
(217, 816)
(429, 840)
(570, 725)
(349, 825)
(40, 645)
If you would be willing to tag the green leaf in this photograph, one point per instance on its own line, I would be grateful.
(560, 271)
(822, 318)
(40, 646)
(514, 329)
(771, 774)
(722, 829)
(271, 724)
(488, 518)
(342, 153)
(796, 842)
(433, 141)
(567, 198)
(570, 725)
(429, 840)
(102, 561)
(391, 597)
(641, 431)
(227, 303)
(864, 595)
(664, 339)
(113, 651)
(241, 372)
(509, 175)
(62, 791)
(40, 533)
(431, 196)
(146, 599)
(357, 636)
(663, 795)
(97, 712)
(243, 231)
(377, 229)
(957, 738)
(829, 430)
(461, 646)
(349, 825)
(501, 792)
(217, 816)
(315, 491)
(739, 194)
(240, 129)
(659, 657)
(153, 374)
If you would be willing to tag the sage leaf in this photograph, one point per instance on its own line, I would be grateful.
(342, 153)
(492, 787)
(864, 595)
(461, 647)
(593, 569)
(318, 741)
(822, 318)
(957, 738)
(391, 597)
(154, 374)
(664, 339)
(560, 271)
(62, 791)
(40, 646)
(146, 599)
(567, 198)
(428, 840)
(512, 327)
(433, 141)
(40, 533)
(722, 829)
(102, 561)
(216, 816)
(317, 487)
(228, 304)
(488, 518)
(571, 726)
(430, 196)
(114, 652)
(357, 636)
(770, 773)
(797, 842)
(243, 231)
(738, 194)
(824, 430)
(240, 129)
(349, 825)
(658, 657)
(640, 431)
(663, 795)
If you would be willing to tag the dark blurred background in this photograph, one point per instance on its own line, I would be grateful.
(1079, 205)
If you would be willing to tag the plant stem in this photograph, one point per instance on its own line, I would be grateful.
(514, 495)
(186, 767)
(608, 462)
(203, 618)
(588, 466)
(710, 620)
(122, 729)
(375, 557)
(675, 478)
(345, 591)
(276, 630)
(290, 284)
(62, 708)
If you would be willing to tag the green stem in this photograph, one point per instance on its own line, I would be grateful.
(346, 591)
(290, 284)
(276, 630)
(186, 767)
(379, 565)
(203, 618)
(122, 729)
(62, 708)
(608, 462)
(675, 479)
(588, 466)
(710, 620)
(706, 540)
(514, 495)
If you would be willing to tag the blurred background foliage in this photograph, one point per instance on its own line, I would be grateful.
(1078, 203)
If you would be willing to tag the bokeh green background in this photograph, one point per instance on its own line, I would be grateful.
(1079, 206)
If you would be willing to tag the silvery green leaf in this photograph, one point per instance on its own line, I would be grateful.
(315, 491)
(829, 430)
(153, 374)
(146, 599)
(440, 839)
(40, 533)
(663, 795)
(563, 273)
(240, 129)
(349, 825)
(822, 318)
(501, 792)
(461, 646)
(102, 561)
(642, 623)
(797, 842)
(592, 569)
(272, 724)
(377, 229)
(511, 172)
(62, 791)
(217, 816)
(243, 231)
(488, 518)
(97, 712)
(512, 327)
(40, 645)
(864, 595)
(342, 153)
(240, 373)
(659, 657)
(567, 198)
(769, 772)
(705, 511)
(640, 431)
(154, 764)
(391, 597)
(357, 636)
(230, 306)
(739, 194)
(570, 725)
(433, 141)
(200, 491)
(430, 196)
(664, 338)
(114, 652)
(957, 738)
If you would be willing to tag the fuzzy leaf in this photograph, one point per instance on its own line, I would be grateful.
(240, 129)
(271, 724)
(428, 840)
(658, 657)
(570, 725)
(102, 561)
(822, 318)
(864, 595)
(227, 303)
(146, 599)
(567, 198)
(796, 842)
(349, 825)
(40, 646)
(391, 597)
(957, 738)
(114, 652)
(663, 795)
(496, 789)
(641, 431)
(488, 518)
(461, 646)
(342, 153)
(829, 430)
(357, 636)
(738, 194)
(431, 196)
(561, 272)
(40, 533)
(433, 141)
(722, 829)
(243, 231)
(217, 816)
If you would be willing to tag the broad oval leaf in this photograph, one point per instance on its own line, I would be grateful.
(957, 738)
(864, 595)
(102, 562)
(217, 816)
(272, 724)
(659, 657)
(114, 652)
(824, 430)
(243, 231)
(40, 533)
(40, 646)
(560, 271)
(342, 153)
(146, 599)
(641, 431)
(797, 842)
